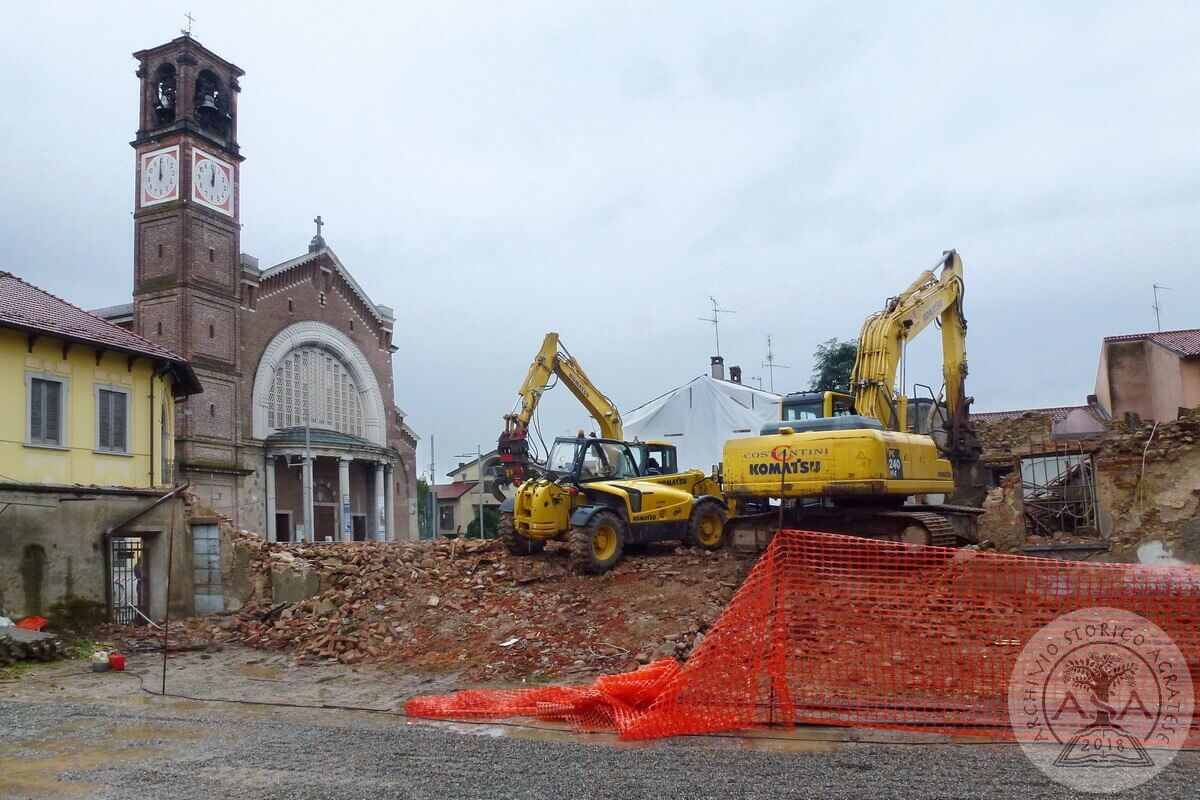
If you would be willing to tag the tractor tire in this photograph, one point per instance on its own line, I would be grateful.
(706, 526)
(514, 542)
(596, 547)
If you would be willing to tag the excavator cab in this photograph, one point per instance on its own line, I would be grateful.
(817, 405)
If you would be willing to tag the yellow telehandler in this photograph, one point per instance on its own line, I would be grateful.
(597, 493)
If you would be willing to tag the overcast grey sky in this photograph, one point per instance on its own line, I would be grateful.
(494, 171)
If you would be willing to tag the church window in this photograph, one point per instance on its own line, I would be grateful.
(212, 331)
(160, 327)
(212, 255)
(290, 308)
(312, 387)
(160, 249)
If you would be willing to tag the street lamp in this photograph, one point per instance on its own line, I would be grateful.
(479, 462)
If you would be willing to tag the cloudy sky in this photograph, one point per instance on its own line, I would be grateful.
(495, 171)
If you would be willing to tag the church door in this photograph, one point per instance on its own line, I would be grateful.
(324, 523)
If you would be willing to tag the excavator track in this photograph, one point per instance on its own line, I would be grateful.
(938, 530)
(940, 526)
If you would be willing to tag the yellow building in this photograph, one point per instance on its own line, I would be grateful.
(87, 507)
(96, 401)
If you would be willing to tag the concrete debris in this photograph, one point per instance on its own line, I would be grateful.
(469, 607)
(18, 644)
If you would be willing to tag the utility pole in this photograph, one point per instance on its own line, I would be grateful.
(433, 509)
(307, 475)
(771, 365)
(715, 320)
(1157, 317)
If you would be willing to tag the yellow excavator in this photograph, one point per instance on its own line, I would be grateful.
(865, 463)
(599, 494)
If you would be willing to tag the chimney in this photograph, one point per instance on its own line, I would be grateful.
(718, 368)
(735, 374)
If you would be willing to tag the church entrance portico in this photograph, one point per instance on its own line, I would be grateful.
(332, 486)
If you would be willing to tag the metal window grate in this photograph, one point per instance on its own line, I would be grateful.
(1058, 490)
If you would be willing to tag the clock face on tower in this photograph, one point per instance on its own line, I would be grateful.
(160, 176)
(212, 182)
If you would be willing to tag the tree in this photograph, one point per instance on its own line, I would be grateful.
(832, 363)
(491, 523)
(425, 522)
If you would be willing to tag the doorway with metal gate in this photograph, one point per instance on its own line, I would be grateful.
(129, 575)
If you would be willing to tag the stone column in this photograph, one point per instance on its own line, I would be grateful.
(269, 479)
(345, 521)
(308, 501)
(377, 493)
(389, 502)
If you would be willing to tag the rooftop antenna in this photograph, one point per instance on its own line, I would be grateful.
(715, 320)
(1157, 318)
(188, 16)
(757, 379)
(771, 365)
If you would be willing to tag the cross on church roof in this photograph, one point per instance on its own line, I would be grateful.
(188, 16)
(318, 241)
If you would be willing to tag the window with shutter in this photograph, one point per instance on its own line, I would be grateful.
(120, 441)
(104, 420)
(45, 411)
(111, 423)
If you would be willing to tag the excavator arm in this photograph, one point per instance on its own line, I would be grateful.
(931, 297)
(884, 335)
(552, 360)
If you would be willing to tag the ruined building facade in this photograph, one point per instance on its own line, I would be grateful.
(296, 433)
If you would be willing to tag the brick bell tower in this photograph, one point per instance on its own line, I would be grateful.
(187, 242)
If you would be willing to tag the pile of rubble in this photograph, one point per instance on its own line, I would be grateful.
(471, 608)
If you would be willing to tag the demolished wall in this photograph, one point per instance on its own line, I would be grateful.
(1149, 513)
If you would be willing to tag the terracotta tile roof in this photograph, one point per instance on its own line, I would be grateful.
(27, 308)
(1056, 413)
(453, 491)
(1184, 343)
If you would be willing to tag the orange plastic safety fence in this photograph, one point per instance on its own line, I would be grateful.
(849, 631)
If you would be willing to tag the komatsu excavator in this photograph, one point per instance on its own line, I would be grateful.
(599, 494)
(864, 463)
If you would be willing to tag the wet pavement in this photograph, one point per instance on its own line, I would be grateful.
(68, 732)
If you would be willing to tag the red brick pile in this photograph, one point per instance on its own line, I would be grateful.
(471, 608)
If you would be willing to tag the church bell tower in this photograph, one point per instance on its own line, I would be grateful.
(187, 236)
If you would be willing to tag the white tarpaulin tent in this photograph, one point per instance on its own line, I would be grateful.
(700, 416)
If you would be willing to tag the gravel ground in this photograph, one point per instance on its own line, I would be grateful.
(65, 732)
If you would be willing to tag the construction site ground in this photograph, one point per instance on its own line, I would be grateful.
(467, 608)
(66, 732)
